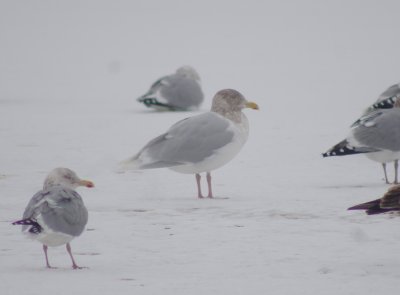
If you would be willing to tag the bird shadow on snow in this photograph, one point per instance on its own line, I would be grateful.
(352, 186)
(184, 199)
(215, 198)
(166, 112)
(44, 269)
(152, 111)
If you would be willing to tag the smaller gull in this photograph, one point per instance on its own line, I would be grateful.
(56, 214)
(389, 202)
(386, 100)
(177, 92)
(377, 134)
(200, 143)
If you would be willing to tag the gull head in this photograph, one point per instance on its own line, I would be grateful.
(230, 101)
(188, 72)
(65, 177)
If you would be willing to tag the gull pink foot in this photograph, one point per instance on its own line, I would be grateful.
(79, 267)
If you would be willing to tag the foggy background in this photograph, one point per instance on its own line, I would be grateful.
(280, 53)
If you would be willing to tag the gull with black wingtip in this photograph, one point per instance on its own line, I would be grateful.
(56, 214)
(180, 91)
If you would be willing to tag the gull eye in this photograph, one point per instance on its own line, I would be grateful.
(69, 177)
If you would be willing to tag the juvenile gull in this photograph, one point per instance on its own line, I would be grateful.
(179, 91)
(200, 143)
(377, 134)
(389, 202)
(56, 214)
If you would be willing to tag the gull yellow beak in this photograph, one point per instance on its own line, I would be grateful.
(251, 105)
(86, 183)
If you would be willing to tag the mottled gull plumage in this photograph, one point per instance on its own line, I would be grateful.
(200, 143)
(178, 91)
(389, 202)
(56, 214)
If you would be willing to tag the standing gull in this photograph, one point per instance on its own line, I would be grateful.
(389, 202)
(56, 214)
(386, 100)
(377, 134)
(200, 143)
(179, 91)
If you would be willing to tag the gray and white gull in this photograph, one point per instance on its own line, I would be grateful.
(56, 214)
(200, 143)
(178, 91)
(376, 134)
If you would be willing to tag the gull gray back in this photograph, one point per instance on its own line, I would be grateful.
(381, 131)
(182, 92)
(62, 210)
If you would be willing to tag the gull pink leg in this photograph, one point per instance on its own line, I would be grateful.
(198, 178)
(210, 194)
(74, 265)
(45, 254)
(384, 171)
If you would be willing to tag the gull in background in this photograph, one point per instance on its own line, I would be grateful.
(200, 143)
(56, 214)
(177, 92)
(389, 202)
(377, 134)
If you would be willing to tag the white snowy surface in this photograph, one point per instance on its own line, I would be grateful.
(69, 75)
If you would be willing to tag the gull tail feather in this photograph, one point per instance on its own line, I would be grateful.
(35, 227)
(133, 163)
(149, 101)
(344, 148)
(136, 163)
(372, 207)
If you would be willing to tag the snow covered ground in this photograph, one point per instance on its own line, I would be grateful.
(69, 75)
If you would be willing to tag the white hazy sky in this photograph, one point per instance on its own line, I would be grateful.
(280, 51)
